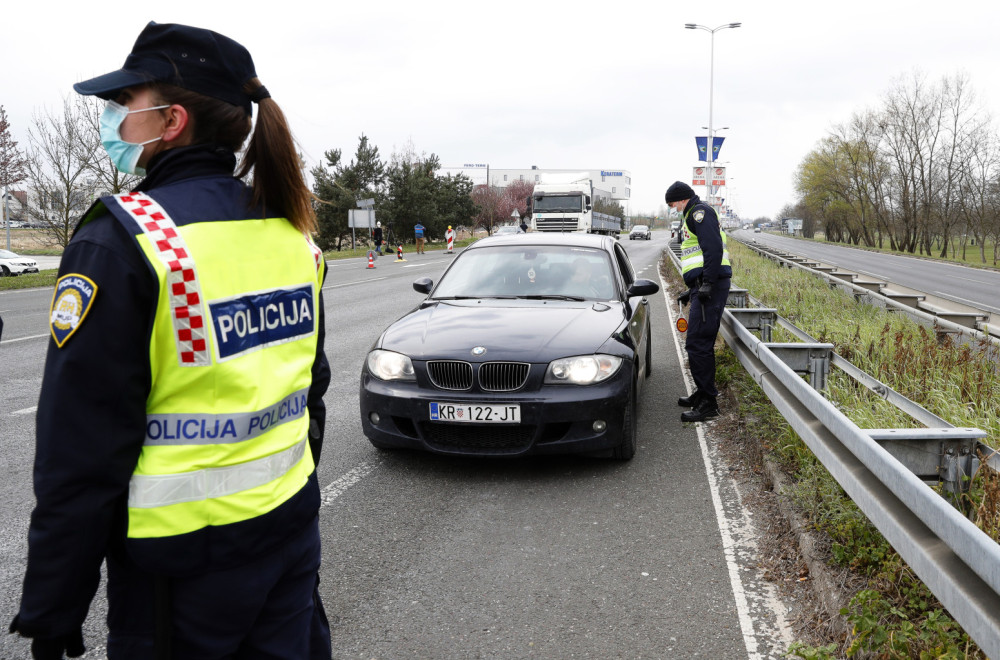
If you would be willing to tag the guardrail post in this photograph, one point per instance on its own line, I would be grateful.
(810, 359)
(936, 455)
(756, 318)
(737, 298)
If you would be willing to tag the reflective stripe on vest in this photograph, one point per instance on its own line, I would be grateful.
(227, 442)
(691, 253)
(206, 429)
(182, 278)
(151, 491)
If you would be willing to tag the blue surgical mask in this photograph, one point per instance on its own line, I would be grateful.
(124, 155)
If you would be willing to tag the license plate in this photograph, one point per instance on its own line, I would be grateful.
(477, 413)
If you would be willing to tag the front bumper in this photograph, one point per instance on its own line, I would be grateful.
(555, 419)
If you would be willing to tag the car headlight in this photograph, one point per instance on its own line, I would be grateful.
(582, 369)
(387, 365)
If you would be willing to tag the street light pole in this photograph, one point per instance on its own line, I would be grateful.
(711, 90)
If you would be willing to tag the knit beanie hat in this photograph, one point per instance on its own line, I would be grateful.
(678, 191)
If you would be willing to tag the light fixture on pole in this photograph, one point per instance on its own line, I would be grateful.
(711, 81)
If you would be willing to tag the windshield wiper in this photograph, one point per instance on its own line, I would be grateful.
(482, 297)
(552, 296)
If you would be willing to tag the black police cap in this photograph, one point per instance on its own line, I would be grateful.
(195, 59)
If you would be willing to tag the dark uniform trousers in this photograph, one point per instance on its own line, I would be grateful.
(266, 609)
(701, 335)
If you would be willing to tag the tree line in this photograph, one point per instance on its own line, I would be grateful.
(64, 169)
(919, 173)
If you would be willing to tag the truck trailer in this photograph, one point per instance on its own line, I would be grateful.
(568, 207)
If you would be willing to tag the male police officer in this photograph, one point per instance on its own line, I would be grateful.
(707, 271)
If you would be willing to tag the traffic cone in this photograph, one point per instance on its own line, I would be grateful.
(399, 254)
(371, 258)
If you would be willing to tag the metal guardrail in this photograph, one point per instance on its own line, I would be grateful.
(963, 319)
(957, 561)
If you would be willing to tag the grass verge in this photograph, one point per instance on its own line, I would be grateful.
(46, 278)
(893, 615)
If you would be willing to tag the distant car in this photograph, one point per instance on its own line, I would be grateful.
(531, 344)
(640, 231)
(12, 264)
(507, 229)
(756, 230)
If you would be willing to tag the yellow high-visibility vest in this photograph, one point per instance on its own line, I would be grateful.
(233, 342)
(691, 253)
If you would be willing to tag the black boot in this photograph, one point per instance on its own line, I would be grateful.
(707, 408)
(691, 401)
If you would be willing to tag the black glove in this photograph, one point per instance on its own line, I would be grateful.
(705, 291)
(684, 298)
(51, 648)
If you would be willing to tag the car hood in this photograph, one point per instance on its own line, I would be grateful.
(523, 330)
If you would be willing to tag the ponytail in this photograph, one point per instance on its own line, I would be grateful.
(278, 182)
(277, 169)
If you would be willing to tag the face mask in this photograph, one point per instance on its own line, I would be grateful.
(124, 155)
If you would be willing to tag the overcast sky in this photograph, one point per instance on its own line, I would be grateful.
(570, 85)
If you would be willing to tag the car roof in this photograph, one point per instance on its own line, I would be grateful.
(571, 239)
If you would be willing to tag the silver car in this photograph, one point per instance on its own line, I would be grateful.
(641, 232)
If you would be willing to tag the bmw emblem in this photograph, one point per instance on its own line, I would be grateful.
(479, 350)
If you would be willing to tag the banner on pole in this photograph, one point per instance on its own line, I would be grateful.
(718, 176)
(702, 143)
(698, 177)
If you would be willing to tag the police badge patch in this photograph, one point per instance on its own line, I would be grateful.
(699, 216)
(71, 301)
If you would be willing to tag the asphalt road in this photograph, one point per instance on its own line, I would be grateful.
(971, 286)
(430, 557)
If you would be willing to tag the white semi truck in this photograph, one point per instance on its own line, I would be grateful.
(568, 206)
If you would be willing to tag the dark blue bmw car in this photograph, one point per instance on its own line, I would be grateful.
(529, 344)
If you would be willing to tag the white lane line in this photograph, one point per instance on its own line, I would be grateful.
(972, 303)
(25, 411)
(756, 595)
(11, 341)
(337, 286)
(340, 486)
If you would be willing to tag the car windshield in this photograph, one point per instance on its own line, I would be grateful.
(507, 229)
(639, 228)
(559, 204)
(529, 271)
(6, 254)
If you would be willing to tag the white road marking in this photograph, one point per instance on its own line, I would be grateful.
(971, 303)
(25, 411)
(337, 286)
(755, 595)
(11, 341)
(340, 486)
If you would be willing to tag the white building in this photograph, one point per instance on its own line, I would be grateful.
(614, 185)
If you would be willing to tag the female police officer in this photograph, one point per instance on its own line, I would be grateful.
(181, 412)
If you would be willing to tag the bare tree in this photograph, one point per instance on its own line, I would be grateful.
(60, 158)
(12, 162)
(520, 192)
(979, 192)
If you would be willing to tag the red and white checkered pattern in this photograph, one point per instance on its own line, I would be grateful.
(317, 253)
(182, 279)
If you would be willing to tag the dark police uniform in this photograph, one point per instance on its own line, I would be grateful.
(704, 260)
(247, 571)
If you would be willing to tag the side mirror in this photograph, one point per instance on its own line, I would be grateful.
(641, 288)
(423, 285)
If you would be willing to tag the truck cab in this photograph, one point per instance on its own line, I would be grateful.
(568, 207)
